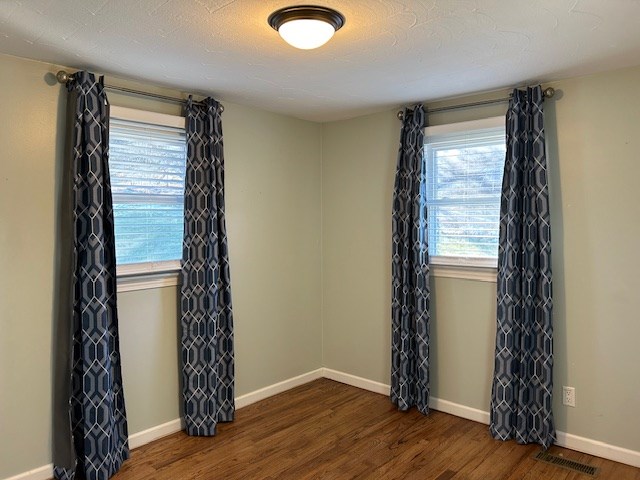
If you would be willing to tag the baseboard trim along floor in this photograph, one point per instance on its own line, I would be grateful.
(567, 440)
(271, 390)
(42, 473)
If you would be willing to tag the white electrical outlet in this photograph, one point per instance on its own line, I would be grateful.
(569, 396)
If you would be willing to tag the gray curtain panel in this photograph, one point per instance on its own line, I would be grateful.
(95, 408)
(205, 303)
(410, 270)
(522, 384)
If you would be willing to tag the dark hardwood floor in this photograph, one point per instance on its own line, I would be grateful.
(327, 430)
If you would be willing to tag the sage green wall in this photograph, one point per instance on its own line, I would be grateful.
(594, 137)
(149, 350)
(273, 222)
(592, 132)
(27, 256)
(274, 168)
(357, 181)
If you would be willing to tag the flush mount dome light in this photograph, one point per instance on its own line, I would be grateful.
(306, 26)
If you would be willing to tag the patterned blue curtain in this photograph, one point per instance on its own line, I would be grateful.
(96, 404)
(410, 271)
(522, 384)
(205, 305)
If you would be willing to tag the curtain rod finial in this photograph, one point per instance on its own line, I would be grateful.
(549, 92)
(63, 77)
(400, 115)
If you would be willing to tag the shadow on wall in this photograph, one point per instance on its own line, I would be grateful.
(62, 298)
(179, 348)
(557, 258)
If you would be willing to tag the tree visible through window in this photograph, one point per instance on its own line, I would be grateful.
(464, 165)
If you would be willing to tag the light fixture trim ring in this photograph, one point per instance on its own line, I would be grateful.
(306, 12)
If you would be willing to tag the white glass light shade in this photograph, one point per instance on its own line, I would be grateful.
(305, 33)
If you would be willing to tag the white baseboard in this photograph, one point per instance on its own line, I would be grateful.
(146, 436)
(42, 473)
(458, 410)
(354, 381)
(135, 440)
(435, 403)
(598, 449)
(567, 440)
(271, 390)
(139, 439)
(154, 433)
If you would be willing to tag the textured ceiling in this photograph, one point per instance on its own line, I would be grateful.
(388, 53)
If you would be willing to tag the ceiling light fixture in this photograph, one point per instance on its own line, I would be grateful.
(306, 26)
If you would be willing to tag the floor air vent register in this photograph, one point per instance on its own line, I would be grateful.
(566, 463)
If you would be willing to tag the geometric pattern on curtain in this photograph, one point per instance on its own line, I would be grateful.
(410, 270)
(96, 404)
(205, 304)
(521, 399)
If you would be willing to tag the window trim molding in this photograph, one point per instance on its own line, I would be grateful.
(457, 127)
(478, 274)
(147, 268)
(464, 262)
(145, 116)
(148, 281)
(148, 275)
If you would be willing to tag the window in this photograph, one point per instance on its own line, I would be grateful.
(464, 164)
(147, 156)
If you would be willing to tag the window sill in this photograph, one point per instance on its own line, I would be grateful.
(478, 274)
(148, 281)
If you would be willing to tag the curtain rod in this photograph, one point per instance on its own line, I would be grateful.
(547, 93)
(64, 78)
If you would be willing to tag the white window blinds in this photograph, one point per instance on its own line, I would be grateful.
(147, 167)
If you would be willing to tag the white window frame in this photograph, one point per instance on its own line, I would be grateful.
(147, 275)
(479, 269)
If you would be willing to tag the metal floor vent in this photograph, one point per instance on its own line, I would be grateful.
(566, 463)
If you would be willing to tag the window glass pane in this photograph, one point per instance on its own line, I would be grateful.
(464, 180)
(147, 167)
(464, 230)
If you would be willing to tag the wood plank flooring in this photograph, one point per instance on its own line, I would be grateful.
(327, 430)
